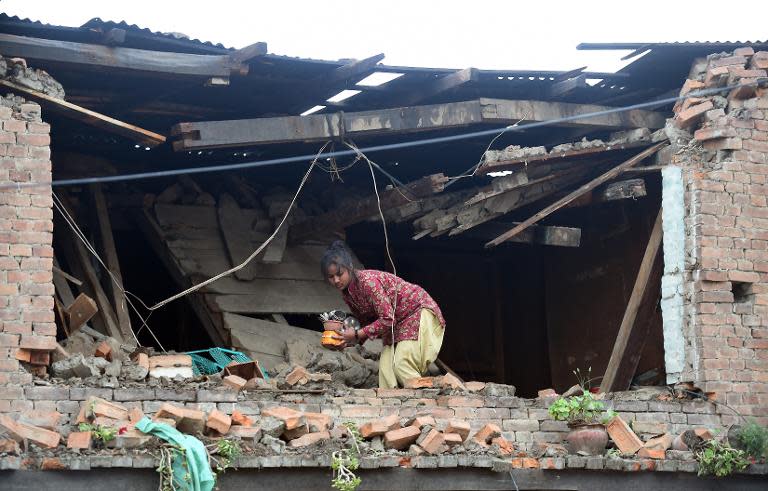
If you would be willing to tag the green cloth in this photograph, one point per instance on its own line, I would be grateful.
(197, 475)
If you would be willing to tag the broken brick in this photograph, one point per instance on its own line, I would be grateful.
(79, 439)
(419, 383)
(691, 85)
(96, 406)
(449, 381)
(297, 432)
(240, 419)
(38, 357)
(9, 446)
(218, 421)
(622, 435)
(23, 355)
(505, 447)
(691, 115)
(103, 350)
(52, 464)
(22, 431)
(44, 419)
(714, 133)
(130, 438)
(380, 426)
(474, 386)
(459, 427)
(309, 439)
(318, 422)
(135, 415)
(704, 434)
(487, 433)
(298, 375)
(401, 438)
(656, 448)
(432, 442)
(547, 393)
(252, 433)
(234, 382)
(187, 420)
(422, 421)
(292, 418)
(452, 439)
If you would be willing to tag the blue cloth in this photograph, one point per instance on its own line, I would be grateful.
(196, 475)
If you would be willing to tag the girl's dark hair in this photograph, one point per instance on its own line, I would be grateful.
(338, 254)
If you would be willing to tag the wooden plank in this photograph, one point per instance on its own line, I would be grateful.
(80, 312)
(236, 231)
(559, 89)
(499, 165)
(113, 264)
(442, 84)
(232, 286)
(322, 127)
(282, 296)
(359, 210)
(275, 250)
(248, 53)
(354, 68)
(104, 57)
(154, 236)
(627, 189)
(66, 276)
(132, 132)
(75, 252)
(575, 194)
(535, 234)
(639, 292)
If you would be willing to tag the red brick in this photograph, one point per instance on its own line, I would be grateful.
(449, 381)
(401, 438)
(461, 428)
(318, 422)
(234, 382)
(96, 407)
(622, 435)
(42, 358)
(104, 350)
(34, 140)
(419, 383)
(505, 447)
(79, 439)
(38, 342)
(9, 446)
(380, 426)
(310, 439)
(252, 433)
(458, 401)
(292, 418)
(240, 419)
(714, 133)
(693, 114)
(39, 436)
(487, 433)
(547, 393)
(187, 420)
(452, 439)
(432, 442)
(422, 421)
(298, 375)
(135, 415)
(691, 85)
(723, 144)
(728, 61)
(44, 419)
(744, 51)
(218, 421)
(656, 448)
(23, 355)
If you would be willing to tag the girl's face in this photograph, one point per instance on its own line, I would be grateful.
(338, 276)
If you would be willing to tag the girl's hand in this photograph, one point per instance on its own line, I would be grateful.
(349, 336)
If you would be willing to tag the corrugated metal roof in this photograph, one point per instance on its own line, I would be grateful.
(98, 23)
(672, 44)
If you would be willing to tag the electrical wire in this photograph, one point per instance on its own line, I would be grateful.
(374, 148)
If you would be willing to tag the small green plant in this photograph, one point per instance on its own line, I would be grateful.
(718, 459)
(753, 438)
(225, 452)
(576, 410)
(100, 433)
(345, 461)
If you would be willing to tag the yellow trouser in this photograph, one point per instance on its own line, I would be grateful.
(411, 358)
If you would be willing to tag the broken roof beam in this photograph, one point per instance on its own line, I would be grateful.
(575, 194)
(139, 60)
(357, 211)
(537, 234)
(564, 87)
(246, 54)
(112, 125)
(353, 69)
(442, 84)
(250, 132)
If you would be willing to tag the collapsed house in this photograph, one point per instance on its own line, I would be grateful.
(627, 244)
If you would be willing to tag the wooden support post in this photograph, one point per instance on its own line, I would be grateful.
(639, 292)
(119, 301)
(575, 194)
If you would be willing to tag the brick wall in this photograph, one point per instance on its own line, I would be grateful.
(724, 169)
(26, 255)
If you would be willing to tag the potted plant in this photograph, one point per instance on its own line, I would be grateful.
(585, 416)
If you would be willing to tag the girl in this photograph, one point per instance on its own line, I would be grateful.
(388, 307)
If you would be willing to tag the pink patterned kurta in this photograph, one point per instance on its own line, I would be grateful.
(371, 298)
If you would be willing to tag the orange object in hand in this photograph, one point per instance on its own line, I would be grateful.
(332, 329)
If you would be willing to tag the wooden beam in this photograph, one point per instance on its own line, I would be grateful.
(135, 133)
(351, 213)
(353, 69)
(80, 312)
(535, 234)
(559, 89)
(138, 60)
(236, 232)
(66, 276)
(639, 292)
(113, 264)
(61, 286)
(575, 194)
(248, 53)
(322, 127)
(442, 84)
(627, 189)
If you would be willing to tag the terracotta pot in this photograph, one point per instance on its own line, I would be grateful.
(590, 439)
